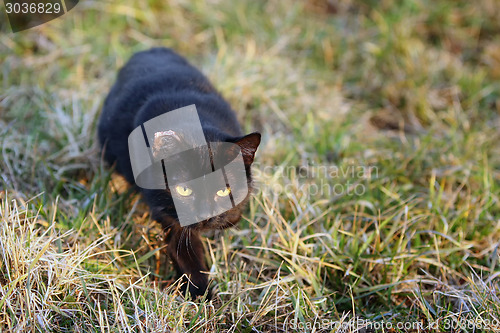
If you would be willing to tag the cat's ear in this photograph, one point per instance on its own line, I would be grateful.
(248, 145)
(166, 140)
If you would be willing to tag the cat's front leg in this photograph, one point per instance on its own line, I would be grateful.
(185, 248)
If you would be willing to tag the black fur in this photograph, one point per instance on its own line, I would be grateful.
(151, 83)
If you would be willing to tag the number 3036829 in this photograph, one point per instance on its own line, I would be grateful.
(33, 8)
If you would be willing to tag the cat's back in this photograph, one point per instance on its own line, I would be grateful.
(148, 75)
(158, 71)
(152, 62)
(150, 72)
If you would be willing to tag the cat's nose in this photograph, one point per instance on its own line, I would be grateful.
(204, 210)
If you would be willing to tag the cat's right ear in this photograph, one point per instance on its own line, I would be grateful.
(248, 145)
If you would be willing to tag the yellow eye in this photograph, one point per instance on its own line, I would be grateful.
(183, 190)
(224, 193)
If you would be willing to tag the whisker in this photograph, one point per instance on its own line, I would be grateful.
(190, 242)
(188, 235)
(179, 242)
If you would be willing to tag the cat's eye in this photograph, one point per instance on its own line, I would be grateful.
(183, 190)
(224, 193)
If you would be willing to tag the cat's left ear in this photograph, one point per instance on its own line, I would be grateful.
(248, 144)
(165, 141)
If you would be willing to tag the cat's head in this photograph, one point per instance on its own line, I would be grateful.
(208, 186)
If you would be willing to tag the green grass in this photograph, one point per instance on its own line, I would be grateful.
(407, 89)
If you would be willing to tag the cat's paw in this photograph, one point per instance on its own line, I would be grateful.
(194, 292)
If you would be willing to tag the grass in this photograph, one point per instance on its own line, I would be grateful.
(378, 178)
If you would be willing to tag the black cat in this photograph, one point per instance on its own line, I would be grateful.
(153, 83)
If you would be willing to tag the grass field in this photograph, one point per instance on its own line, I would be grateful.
(377, 181)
